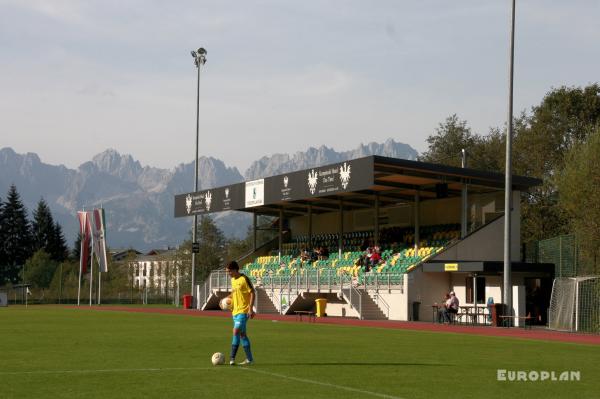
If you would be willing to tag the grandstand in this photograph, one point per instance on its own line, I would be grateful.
(439, 229)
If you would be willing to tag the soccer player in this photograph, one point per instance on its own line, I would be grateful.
(242, 297)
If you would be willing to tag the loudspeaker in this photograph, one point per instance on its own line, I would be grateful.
(441, 190)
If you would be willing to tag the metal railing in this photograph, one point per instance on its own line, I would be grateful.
(355, 298)
(318, 281)
(381, 302)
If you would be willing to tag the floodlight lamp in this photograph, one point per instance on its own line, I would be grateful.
(202, 51)
(193, 54)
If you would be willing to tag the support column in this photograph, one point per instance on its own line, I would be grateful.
(417, 222)
(377, 219)
(254, 231)
(341, 230)
(310, 246)
(280, 232)
(464, 207)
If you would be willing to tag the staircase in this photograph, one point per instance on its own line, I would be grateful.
(364, 304)
(263, 303)
(370, 310)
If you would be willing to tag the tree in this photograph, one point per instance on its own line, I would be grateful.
(15, 236)
(39, 269)
(58, 245)
(565, 118)
(42, 227)
(450, 138)
(579, 188)
(212, 248)
(454, 135)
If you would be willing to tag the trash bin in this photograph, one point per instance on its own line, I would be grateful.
(497, 310)
(321, 306)
(187, 301)
(415, 311)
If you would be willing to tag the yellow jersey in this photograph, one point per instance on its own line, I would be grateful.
(241, 288)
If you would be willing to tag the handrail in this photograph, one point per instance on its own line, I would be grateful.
(306, 280)
(378, 299)
(353, 293)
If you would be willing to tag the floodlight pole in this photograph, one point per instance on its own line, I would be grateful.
(199, 60)
(508, 174)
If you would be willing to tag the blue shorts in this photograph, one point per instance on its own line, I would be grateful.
(239, 322)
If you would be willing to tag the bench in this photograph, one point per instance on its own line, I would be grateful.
(509, 321)
(308, 313)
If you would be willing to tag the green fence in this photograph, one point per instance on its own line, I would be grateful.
(562, 251)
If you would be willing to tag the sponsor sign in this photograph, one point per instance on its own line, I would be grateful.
(450, 267)
(340, 177)
(255, 193)
(196, 247)
(219, 199)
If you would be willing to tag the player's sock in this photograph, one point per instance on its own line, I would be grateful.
(234, 349)
(235, 344)
(246, 345)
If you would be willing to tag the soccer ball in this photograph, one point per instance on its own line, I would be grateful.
(218, 358)
(225, 303)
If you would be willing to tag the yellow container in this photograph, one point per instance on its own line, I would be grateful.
(321, 306)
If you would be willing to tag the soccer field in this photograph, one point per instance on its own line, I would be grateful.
(53, 352)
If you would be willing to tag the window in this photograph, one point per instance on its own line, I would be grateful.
(480, 289)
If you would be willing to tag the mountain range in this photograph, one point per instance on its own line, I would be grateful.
(138, 200)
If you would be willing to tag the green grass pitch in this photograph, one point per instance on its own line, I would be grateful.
(53, 352)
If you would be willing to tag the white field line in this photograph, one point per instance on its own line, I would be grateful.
(325, 384)
(304, 380)
(103, 370)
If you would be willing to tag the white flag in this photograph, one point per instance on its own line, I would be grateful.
(99, 238)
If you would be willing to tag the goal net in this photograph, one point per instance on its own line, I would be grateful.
(575, 304)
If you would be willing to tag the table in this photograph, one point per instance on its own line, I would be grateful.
(471, 312)
(300, 313)
(436, 309)
(506, 320)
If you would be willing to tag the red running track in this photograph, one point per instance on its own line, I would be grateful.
(534, 334)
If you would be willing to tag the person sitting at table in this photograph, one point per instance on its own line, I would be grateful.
(450, 306)
(442, 310)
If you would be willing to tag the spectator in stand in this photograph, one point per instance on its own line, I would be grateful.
(375, 257)
(315, 254)
(324, 254)
(305, 255)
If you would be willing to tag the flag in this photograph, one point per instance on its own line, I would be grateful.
(99, 241)
(84, 230)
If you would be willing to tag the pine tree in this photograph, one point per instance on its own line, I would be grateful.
(42, 227)
(15, 236)
(58, 245)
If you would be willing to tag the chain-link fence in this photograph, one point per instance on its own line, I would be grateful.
(562, 251)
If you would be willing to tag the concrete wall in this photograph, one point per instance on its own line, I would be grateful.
(426, 288)
(398, 303)
(486, 244)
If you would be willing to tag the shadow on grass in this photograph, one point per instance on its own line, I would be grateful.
(378, 364)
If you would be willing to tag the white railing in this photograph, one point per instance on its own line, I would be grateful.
(305, 280)
(355, 298)
(382, 304)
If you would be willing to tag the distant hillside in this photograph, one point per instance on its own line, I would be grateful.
(139, 200)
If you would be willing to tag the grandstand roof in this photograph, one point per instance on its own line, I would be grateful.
(356, 182)
(487, 267)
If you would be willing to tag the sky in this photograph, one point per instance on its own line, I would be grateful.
(79, 77)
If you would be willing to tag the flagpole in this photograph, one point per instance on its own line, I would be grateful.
(99, 283)
(92, 269)
(81, 260)
(80, 267)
